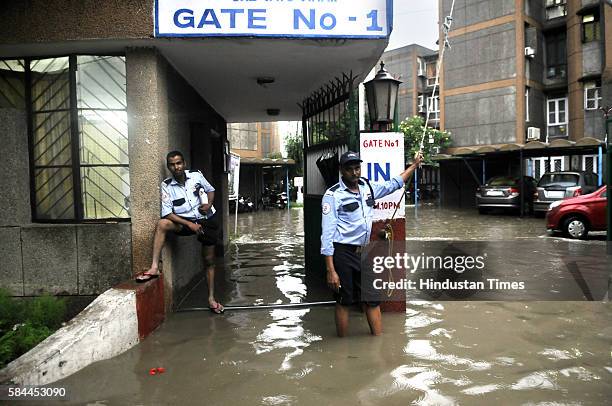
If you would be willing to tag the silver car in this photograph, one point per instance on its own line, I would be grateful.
(554, 186)
(504, 192)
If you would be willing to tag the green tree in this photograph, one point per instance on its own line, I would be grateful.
(294, 146)
(413, 133)
(275, 155)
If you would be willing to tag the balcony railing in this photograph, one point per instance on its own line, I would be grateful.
(556, 72)
(556, 11)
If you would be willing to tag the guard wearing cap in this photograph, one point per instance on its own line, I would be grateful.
(347, 208)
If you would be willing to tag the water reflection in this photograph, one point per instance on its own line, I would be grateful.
(265, 264)
(286, 331)
(462, 351)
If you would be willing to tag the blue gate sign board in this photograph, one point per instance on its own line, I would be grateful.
(274, 18)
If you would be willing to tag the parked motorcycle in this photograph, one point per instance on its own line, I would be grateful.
(245, 205)
(281, 200)
(268, 199)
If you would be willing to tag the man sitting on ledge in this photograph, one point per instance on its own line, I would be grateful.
(187, 209)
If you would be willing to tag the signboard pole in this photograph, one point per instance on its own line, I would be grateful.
(234, 184)
(383, 158)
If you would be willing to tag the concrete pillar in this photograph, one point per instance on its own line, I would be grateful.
(575, 109)
(148, 141)
(14, 164)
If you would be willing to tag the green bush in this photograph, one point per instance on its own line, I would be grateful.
(24, 324)
(10, 312)
(47, 311)
(19, 341)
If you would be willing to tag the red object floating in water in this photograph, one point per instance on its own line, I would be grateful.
(161, 370)
(152, 371)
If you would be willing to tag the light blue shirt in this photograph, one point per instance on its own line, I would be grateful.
(183, 200)
(347, 216)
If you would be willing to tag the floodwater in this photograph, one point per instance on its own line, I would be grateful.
(437, 353)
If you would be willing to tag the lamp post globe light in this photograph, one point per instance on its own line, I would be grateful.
(381, 94)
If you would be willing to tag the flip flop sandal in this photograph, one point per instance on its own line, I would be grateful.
(218, 309)
(145, 277)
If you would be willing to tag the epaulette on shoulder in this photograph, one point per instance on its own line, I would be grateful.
(168, 181)
(331, 190)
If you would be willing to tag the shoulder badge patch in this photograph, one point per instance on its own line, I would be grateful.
(165, 197)
(326, 208)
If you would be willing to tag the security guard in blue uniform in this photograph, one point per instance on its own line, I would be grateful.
(347, 209)
(186, 209)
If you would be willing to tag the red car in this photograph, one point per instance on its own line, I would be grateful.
(577, 216)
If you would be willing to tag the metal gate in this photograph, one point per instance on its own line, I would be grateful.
(330, 127)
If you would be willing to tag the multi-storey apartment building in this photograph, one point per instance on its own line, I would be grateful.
(416, 67)
(254, 140)
(526, 70)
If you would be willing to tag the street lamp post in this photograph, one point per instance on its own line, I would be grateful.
(381, 94)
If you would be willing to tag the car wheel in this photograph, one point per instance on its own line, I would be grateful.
(575, 227)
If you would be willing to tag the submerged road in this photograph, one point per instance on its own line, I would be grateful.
(535, 351)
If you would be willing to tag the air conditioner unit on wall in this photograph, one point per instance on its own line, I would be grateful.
(530, 52)
(533, 134)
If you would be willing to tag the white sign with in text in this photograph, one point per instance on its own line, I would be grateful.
(274, 18)
(383, 158)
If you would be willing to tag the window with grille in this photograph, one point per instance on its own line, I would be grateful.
(78, 138)
(12, 84)
(590, 28)
(592, 96)
(433, 108)
(590, 164)
(539, 167)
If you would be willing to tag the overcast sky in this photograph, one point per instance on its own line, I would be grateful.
(414, 22)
